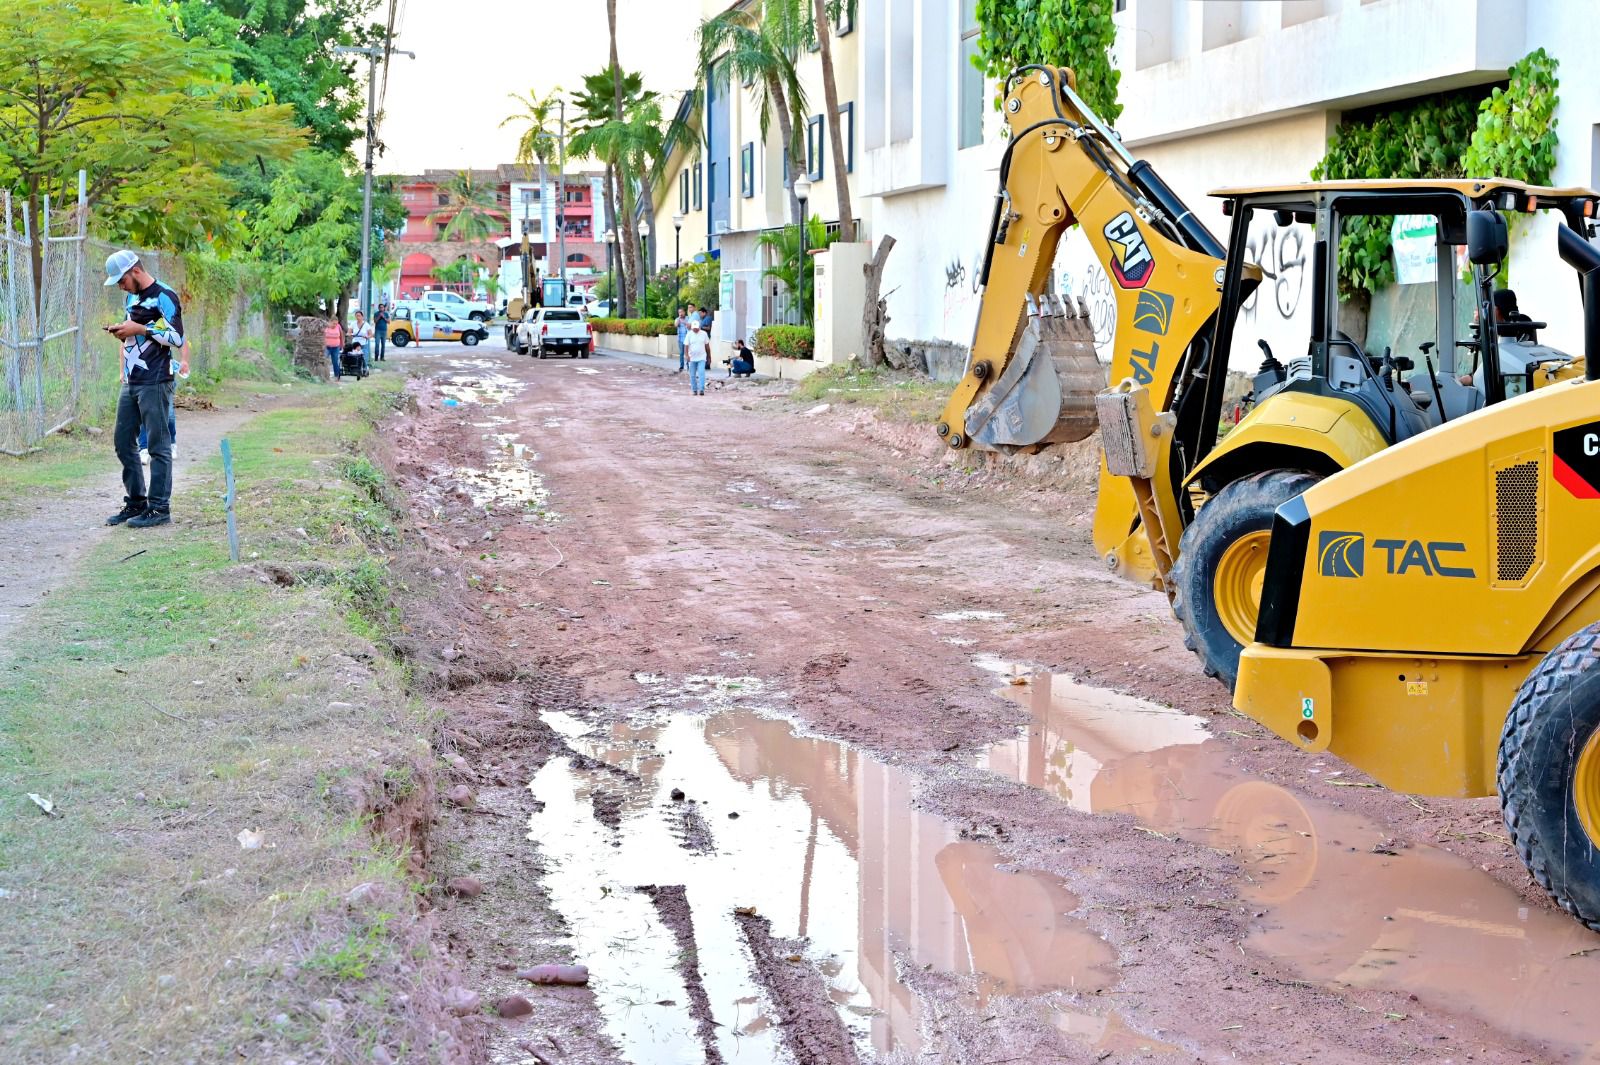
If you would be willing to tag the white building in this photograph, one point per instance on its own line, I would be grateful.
(1225, 92)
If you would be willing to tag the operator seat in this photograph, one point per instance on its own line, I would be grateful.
(1459, 399)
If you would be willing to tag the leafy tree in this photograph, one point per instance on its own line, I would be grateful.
(110, 87)
(794, 273)
(1053, 33)
(1515, 135)
(287, 47)
(308, 234)
(472, 212)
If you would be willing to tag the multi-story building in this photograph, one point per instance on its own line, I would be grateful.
(1224, 92)
(543, 201)
(728, 187)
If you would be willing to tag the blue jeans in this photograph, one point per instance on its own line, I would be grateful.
(682, 349)
(333, 354)
(697, 375)
(380, 341)
(172, 427)
(146, 406)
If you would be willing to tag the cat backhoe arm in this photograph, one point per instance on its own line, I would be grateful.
(1026, 383)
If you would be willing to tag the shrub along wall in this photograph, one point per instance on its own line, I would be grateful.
(638, 327)
(786, 341)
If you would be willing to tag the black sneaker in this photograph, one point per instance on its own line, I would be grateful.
(129, 510)
(149, 518)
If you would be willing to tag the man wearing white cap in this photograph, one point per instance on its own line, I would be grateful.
(151, 334)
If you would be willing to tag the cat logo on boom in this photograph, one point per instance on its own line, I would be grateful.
(1131, 261)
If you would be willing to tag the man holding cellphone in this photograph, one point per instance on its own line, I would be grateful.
(151, 334)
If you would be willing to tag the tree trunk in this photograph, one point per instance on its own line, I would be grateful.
(785, 131)
(875, 310)
(830, 93)
(624, 217)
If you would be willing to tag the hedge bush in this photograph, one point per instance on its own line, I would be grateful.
(636, 327)
(786, 341)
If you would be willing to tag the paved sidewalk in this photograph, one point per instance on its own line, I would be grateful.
(719, 373)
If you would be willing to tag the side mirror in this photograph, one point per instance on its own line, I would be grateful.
(1486, 238)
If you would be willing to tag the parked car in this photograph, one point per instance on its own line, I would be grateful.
(556, 330)
(418, 324)
(453, 303)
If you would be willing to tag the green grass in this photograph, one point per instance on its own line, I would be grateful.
(896, 395)
(171, 700)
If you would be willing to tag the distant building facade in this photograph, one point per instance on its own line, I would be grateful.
(524, 196)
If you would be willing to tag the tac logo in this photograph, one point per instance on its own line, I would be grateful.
(1131, 261)
(1344, 554)
(1341, 554)
(1153, 312)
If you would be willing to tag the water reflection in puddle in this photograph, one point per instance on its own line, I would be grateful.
(827, 846)
(1342, 903)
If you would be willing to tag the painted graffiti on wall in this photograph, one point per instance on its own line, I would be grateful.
(1091, 284)
(961, 298)
(1281, 254)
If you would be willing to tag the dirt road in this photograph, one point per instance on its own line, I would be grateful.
(807, 683)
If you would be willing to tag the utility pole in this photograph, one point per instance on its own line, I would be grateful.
(373, 53)
(561, 200)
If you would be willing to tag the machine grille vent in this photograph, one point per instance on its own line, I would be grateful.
(1516, 499)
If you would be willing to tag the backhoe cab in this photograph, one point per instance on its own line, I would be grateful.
(1180, 506)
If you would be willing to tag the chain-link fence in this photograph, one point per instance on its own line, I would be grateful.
(58, 364)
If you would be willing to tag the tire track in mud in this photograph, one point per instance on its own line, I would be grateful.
(809, 1022)
(672, 907)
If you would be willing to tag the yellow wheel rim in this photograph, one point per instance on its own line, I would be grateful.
(1236, 588)
(1586, 787)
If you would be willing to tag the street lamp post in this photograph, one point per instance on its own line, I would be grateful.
(802, 192)
(677, 262)
(610, 239)
(644, 262)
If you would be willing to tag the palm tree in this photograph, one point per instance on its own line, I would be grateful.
(790, 269)
(538, 140)
(594, 107)
(472, 211)
(762, 50)
(821, 12)
(631, 145)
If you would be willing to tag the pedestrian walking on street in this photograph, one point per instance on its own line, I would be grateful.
(150, 332)
(683, 331)
(333, 341)
(698, 348)
(380, 323)
(361, 336)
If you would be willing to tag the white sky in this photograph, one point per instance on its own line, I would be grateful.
(444, 108)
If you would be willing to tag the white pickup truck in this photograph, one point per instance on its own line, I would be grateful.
(556, 330)
(455, 303)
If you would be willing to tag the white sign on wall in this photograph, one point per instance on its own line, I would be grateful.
(1415, 240)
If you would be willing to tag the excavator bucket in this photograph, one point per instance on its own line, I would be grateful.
(1047, 393)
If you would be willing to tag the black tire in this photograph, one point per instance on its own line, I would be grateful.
(541, 351)
(584, 354)
(1246, 506)
(478, 316)
(469, 339)
(1552, 719)
(400, 339)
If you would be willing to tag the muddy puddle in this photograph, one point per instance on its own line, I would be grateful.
(1337, 900)
(827, 845)
(476, 381)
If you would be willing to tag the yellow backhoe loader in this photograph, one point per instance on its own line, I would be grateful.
(1432, 615)
(1178, 507)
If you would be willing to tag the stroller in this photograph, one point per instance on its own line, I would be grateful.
(353, 361)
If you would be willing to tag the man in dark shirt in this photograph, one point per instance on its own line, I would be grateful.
(151, 334)
(380, 325)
